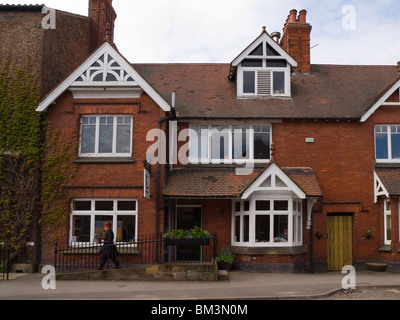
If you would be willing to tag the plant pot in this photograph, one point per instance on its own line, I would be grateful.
(224, 266)
(187, 242)
(376, 266)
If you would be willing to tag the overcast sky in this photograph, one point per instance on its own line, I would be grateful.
(344, 32)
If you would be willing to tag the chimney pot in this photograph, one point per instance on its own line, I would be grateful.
(276, 36)
(264, 29)
(293, 15)
(303, 16)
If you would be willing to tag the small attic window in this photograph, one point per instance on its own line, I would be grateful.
(258, 51)
(271, 51)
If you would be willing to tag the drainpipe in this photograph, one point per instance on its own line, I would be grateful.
(158, 208)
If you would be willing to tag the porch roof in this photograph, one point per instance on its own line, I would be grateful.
(223, 183)
(390, 178)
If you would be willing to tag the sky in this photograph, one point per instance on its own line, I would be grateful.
(216, 31)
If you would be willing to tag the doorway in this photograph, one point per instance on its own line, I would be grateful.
(188, 217)
(340, 241)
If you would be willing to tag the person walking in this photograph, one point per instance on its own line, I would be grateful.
(109, 250)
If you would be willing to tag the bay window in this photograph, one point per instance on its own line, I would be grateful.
(267, 222)
(105, 136)
(229, 143)
(88, 217)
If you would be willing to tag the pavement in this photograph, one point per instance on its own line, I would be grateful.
(240, 286)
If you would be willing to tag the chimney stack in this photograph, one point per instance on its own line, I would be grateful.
(296, 40)
(103, 18)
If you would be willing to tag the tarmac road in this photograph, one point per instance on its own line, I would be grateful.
(240, 286)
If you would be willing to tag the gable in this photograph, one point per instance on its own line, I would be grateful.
(273, 179)
(263, 47)
(105, 73)
(390, 98)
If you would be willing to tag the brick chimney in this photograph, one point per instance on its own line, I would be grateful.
(296, 40)
(103, 18)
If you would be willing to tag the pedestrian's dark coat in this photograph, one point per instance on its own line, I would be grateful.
(109, 249)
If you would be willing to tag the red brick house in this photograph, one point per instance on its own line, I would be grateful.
(289, 163)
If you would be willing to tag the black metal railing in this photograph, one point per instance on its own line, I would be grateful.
(5, 251)
(146, 250)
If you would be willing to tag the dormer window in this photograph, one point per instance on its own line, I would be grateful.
(263, 70)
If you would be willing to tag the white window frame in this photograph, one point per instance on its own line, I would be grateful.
(387, 213)
(264, 57)
(93, 213)
(389, 140)
(294, 205)
(208, 158)
(240, 82)
(97, 129)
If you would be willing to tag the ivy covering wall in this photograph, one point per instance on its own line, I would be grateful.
(32, 193)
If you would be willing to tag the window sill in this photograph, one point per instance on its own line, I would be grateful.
(385, 248)
(274, 251)
(392, 164)
(103, 160)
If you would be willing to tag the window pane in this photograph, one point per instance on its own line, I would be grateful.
(126, 226)
(237, 229)
(241, 138)
(88, 135)
(388, 228)
(104, 205)
(249, 82)
(263, 205)
(82, 205)
(252, 63)
(81, 228)
(123, 135)
(99, 225)
(271, 51)
(237, 206)
(281, 228)
(279, 82)
(261, 145)
(220, 142)
(277, 63)
(126, 205)
(246, 205)
(395, 145)
(281, 205)
(106, 135)
(381, 145)
(246, 228)
(263, 229)
(199, 142)
(257, 51)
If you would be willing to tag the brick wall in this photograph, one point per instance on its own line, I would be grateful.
(57, 51)
(120, 180)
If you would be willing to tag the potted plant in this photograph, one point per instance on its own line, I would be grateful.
(195, 236)
(367, 234)
(225, 259)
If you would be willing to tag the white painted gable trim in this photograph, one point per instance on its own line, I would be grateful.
(381, 101)
(105, 48)
(273, 171)
(379, 188)
(256, 43)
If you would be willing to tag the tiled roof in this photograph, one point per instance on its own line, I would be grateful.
(390, 178)
(22, 7)
(224, 183)
(329, 92)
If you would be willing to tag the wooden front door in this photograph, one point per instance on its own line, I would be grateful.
(340, 253)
